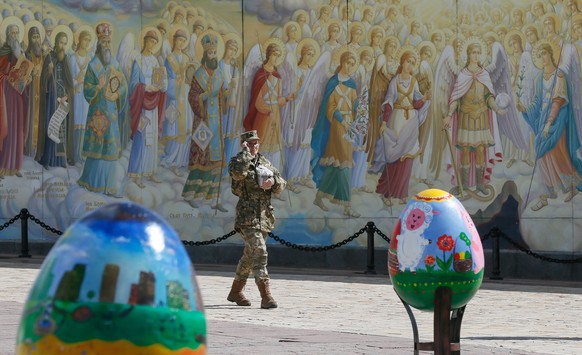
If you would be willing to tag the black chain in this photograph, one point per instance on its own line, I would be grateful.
(536, 255)
(10, 221)
(321, 248)
(496, 231)
(208, 242)
(44, 225)
(382, 235)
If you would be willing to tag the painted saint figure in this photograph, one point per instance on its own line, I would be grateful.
(404, 111)
(78, 62)
(177, 126)
(475, 138)
(264, 113)
(555, 124)
(56, 85)
(332, 162)
(13, 126)
(147, 99)
(105, 89)
(206, 149)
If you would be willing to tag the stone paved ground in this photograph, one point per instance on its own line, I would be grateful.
(330, 312)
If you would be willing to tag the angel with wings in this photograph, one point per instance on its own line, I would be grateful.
(332, 162)
(403, 111)
(425, 78)
(555, 116)
(266, 101)
(473, 114)
(310, 76)
(522, 71)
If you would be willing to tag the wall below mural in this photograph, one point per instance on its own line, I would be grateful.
(360, 105)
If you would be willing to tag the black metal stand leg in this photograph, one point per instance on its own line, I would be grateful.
(456, 319)
(414, 326)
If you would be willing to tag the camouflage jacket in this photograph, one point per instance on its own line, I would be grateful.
(254, 208)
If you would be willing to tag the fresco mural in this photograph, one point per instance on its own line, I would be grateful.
(361, 104)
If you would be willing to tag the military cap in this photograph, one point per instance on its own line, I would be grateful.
(249, 136)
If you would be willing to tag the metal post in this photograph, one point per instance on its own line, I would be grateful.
(370, 267)
(24, 215)
(496, 272)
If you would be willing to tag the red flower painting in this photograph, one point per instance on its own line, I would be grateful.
(446, 244)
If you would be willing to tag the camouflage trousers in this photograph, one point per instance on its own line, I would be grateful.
(254, 258)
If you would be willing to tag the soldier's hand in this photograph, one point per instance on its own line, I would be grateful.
(268, 183)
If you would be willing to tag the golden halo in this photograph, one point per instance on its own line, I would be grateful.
(89, 29)
(219, 46)
(424, 44)
(531, 26)
(175, 28)
(535, 3)
(11, 20)
(280, 44)
(408, 48)
(555, 55)
(577, 19)
(63, 28)
(191, 10)
(176, 8)
(321, 8)
(393, 39)
(158, 44)
(289, 24)
(337, 55)
(370, 51)
(412, 20)
(555, 19)
(201, 21)
(164, 24)
(234, 37)
(469, 41)
(367, 8)
(300, 12)
(437, 31)
(373, 30)
(512, 34)
(350, 9)
(338, 23)
(355, 26)
(28, 26)
(314, 44)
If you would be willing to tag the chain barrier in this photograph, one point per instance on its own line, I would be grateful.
(382, 235)
(10, 221)
(493, 233)
(44, 225)
(320, 248)
(532, 253)
(208, 242)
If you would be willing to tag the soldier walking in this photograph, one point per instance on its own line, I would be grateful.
(254, 180)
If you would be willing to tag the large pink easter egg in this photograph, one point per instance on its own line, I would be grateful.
(434, 244)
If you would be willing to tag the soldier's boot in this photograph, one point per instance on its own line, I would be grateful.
(267, 300)
(236, 295)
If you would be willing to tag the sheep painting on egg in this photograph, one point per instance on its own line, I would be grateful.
(435, 243)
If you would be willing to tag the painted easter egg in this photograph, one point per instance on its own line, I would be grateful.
(435, 244)
(119, 281)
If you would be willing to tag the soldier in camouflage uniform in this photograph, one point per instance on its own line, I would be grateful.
(254, 180)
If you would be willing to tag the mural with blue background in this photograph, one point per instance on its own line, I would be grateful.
(123, 100)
